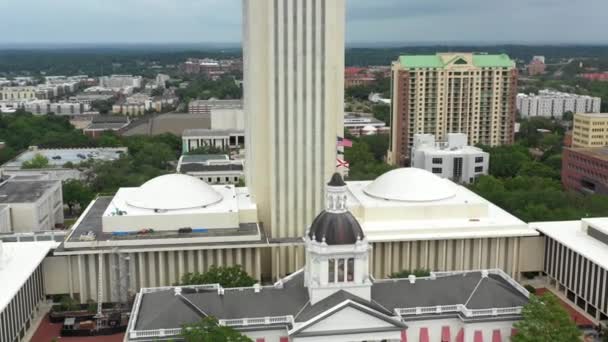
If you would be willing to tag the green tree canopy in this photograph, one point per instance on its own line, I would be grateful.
(233, 276)
(544, 320)
(209, 330)
(78, 193)
(37, 162)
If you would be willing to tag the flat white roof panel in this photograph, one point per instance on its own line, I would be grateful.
(18, 260)
(571, 235)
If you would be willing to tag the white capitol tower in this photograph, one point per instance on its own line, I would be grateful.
(294, 104)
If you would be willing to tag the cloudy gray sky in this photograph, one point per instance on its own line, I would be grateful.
(403, 21)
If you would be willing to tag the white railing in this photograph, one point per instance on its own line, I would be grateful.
(155, 333)
(172, 288)
(458, 308)
(257, 321)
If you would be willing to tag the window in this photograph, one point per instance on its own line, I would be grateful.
(341, 270)
(437, 170)
(479, 159)
(478, 168)
(350, 267)
(332, 271)
(437, 161)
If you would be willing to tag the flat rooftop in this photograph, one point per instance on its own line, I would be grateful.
(18, 260)
(571, 235)
(24, 191)
(211, 132)
(593, 115)
(58, 157)
(90, 223)
(496, 223)
(600, 153)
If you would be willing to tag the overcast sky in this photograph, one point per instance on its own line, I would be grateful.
(402, 21)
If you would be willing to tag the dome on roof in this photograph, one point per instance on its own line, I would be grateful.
(336, 228)
(174, 192)
(410, 185)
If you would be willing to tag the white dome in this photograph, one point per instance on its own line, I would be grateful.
(410, 185)
(173, 192)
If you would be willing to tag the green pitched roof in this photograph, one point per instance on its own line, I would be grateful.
(435, 61)
(486, 61)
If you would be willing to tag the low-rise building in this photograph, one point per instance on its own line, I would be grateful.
(452, 159)
(43, 107)
(23, 286)
(33, 205)
(88, 98)
(359, 124)
(537, 66)
(193, 139)
(62, 163)
(205, 106)
(598, 76)
(585, 170)
(550, 103)
(213, 169)
(118, 82)
(174, 123)
(576, 262)
(27, 93)
(101, 124)
(590, 130)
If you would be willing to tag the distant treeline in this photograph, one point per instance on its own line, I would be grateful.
(106, 60)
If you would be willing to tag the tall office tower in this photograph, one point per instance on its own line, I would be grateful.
(294, 105)
(445, 93)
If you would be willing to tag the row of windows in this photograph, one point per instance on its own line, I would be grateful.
(15, 318)
(585, 279)
(341, 270)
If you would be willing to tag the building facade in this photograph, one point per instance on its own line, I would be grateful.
(590, 130)
(34, 205)
(212, 169)
(294, 105)
(335, 298)
(26, 93)
(537, 66)
(576, 262)
(446, 93)
(206, 106)
(223, 139)
(453, 159)
(554, 104)
(585, 170)
(23, 287)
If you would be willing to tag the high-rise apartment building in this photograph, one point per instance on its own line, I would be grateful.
(446, 93)
(590, 130)
(294, 105)
(549, 103)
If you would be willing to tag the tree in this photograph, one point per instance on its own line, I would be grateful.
(544, 320)
(37, 162)
(209, 330)
(233, 276)
(536, 169)
(567, 116)
(505, 161)
(76, 192)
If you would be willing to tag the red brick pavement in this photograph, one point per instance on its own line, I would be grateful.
(47, 331)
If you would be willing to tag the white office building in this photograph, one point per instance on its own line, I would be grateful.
(117, 82)
(452, 159)
(22, 289)
(576, 262)
(550, 103)
(30, 205)
(294, 105)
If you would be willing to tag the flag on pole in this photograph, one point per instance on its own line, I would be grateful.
(343, 142)
(342, 163)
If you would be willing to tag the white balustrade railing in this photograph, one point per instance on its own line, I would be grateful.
(257, 321)
(458, 308)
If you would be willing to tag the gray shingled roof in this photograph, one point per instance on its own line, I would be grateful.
(469, 288)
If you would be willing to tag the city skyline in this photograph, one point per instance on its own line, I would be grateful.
(379, 22)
